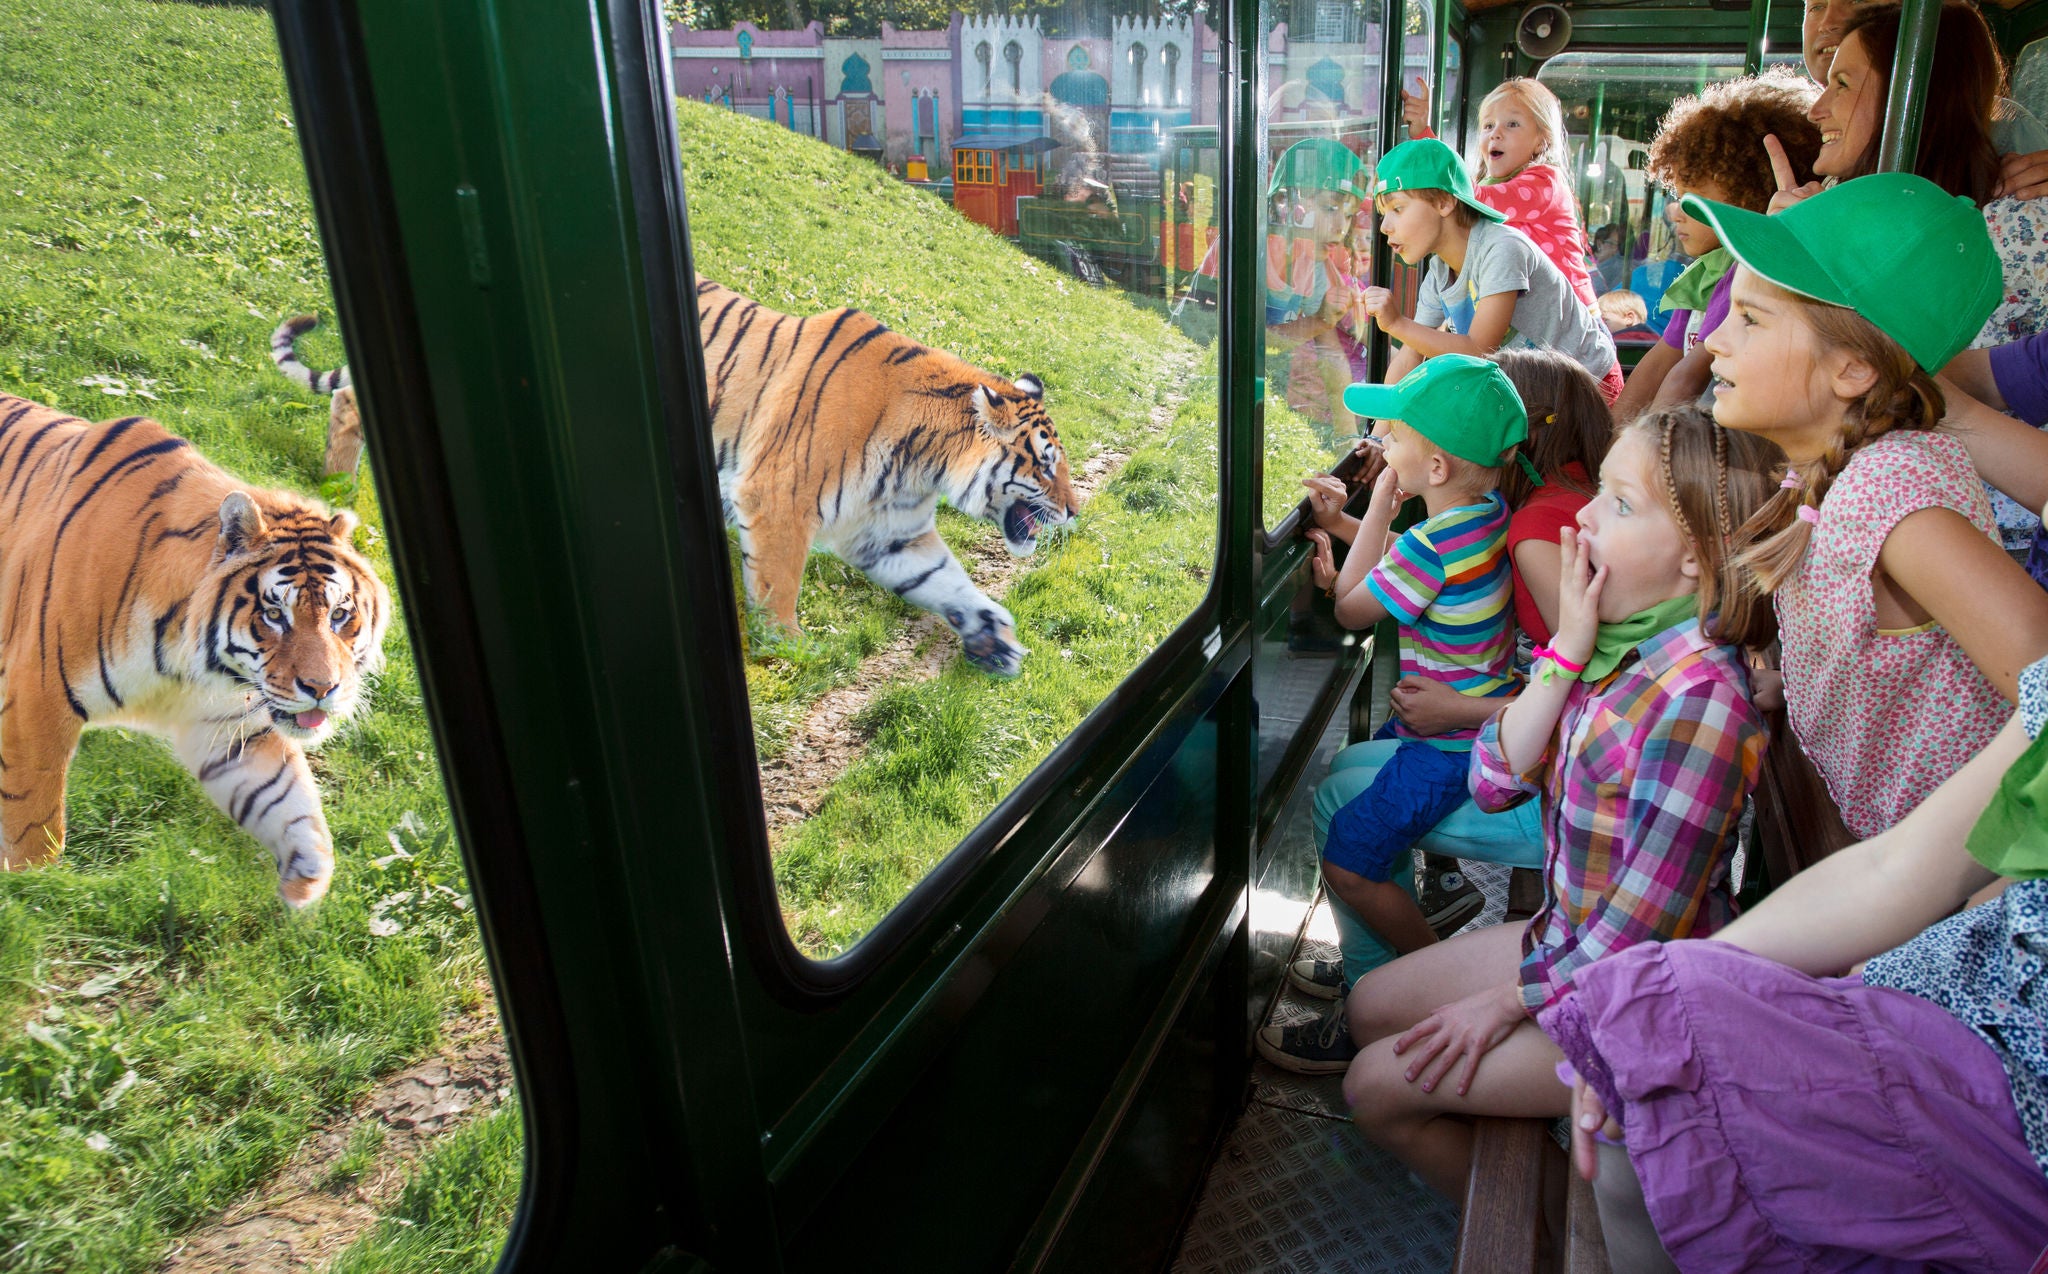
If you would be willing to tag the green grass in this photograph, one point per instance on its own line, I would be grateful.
(168, 1034)
(455, 1209)
(792, 224)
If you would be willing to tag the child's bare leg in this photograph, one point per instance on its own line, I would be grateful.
(1399, 994)
(1632, 1242)
(1431, 1132)
(1383, 905)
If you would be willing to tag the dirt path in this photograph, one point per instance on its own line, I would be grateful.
(826, 742)
(302, 1218)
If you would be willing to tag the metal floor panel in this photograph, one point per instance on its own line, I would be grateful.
(1307, 1195)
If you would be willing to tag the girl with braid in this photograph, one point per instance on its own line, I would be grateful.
(1637, 735)
(1904, 625)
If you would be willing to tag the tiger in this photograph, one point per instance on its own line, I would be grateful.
(344, 420)
(141, 586)
(833, 430)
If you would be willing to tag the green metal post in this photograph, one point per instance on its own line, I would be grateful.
(1392, 20)
(1439, 41)
(1595, 124)
(1759, 26)
(1911, 68)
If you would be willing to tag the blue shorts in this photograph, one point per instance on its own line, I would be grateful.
(1417, 788)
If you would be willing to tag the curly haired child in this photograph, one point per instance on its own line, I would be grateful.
(1712, 145)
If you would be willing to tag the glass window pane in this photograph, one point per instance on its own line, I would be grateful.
(1029, 205)
(1320, 128)
(175, 1049)
(1613, 103)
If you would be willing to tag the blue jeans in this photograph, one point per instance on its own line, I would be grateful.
(1513, 837)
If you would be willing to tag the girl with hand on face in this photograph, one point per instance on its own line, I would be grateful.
(1637, 734)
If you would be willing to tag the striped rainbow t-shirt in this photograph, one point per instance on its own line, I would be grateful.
(1447, 583)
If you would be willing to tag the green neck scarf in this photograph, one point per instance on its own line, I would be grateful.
(1694, 288)
(1613, 642)
(2012, 837)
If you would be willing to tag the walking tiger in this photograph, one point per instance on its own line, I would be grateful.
(834, 430)
(141, 586)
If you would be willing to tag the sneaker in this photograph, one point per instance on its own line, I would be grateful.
(1322, 979)
(1321, 1047)
(1449, 901)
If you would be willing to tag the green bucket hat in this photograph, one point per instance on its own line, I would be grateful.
(1428, 164)
(1465, 405)
(1857, 244)
(1320, 163)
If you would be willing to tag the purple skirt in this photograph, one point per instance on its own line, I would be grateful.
(1783, 1122)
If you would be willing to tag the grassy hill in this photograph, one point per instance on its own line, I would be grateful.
(154, 227)
(831, 229)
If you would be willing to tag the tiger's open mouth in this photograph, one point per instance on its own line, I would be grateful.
(1020, 526)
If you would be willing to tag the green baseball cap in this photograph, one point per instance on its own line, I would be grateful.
(1428, 164)
(1857, 244)
(1320, 163)
(1465, 405)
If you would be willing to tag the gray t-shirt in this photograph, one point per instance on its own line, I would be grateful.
(1547, 315)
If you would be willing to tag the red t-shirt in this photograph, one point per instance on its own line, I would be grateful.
(1552, 508)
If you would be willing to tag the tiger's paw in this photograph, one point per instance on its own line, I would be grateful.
(988, 638)
(304, 878)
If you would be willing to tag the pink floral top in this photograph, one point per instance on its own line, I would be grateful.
(1886, 716)
(1539, 204)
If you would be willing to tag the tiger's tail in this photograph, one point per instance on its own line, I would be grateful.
(284, 352)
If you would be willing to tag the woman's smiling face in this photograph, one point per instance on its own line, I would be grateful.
(1847, 110)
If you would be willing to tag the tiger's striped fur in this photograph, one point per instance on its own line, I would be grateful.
(833, 430)
(344, 420)
(141, 586)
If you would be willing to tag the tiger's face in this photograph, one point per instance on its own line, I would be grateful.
(296, 617)
(1024, 487)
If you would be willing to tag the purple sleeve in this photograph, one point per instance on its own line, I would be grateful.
(2021, 370)
(1717, 304)
(1674, 329)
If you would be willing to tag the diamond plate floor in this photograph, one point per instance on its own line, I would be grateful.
(1296, 1188)
(1299, 1192)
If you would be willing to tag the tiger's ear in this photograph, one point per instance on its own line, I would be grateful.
(241, 524)
(1030, 386)
(342, 526)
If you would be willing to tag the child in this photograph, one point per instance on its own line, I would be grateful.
(1712, 145)
(1638, 733)
(1521, 171)
(1489, 280)
(1779, 1116)
(1449, 426)
(1904, 626)
(1317, 190)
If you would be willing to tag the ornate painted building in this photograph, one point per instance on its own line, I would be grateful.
(988, 82)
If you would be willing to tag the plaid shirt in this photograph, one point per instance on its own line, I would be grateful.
(1639, 824)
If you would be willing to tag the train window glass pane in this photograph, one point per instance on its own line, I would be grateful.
(1612, 105)
(1048, 381)
(2030, 90)
(179, 1051)
(1320, 129)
